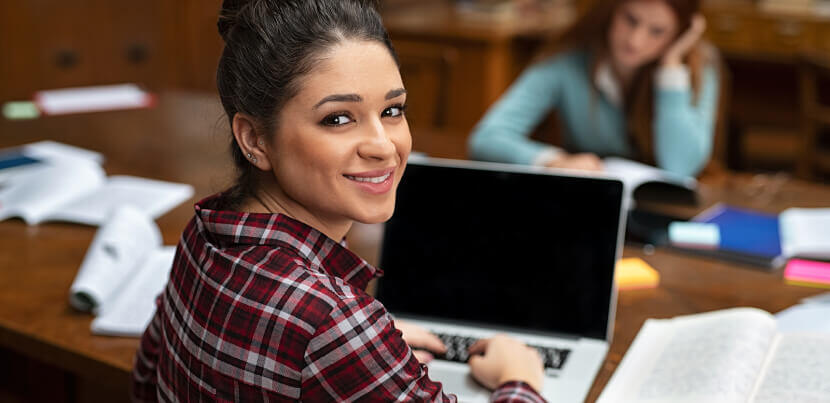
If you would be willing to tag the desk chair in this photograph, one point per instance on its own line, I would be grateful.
(814, 74)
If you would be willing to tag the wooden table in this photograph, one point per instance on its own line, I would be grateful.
(185, 139)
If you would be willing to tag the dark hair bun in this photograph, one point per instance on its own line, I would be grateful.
(227, 16)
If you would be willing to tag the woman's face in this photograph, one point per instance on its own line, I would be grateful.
(342, 142)
(641, 30)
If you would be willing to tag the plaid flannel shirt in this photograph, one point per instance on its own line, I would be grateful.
(261, 307)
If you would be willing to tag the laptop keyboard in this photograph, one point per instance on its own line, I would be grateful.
(457, 347)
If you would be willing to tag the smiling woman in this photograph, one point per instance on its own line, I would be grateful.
(343, 136)
(264, 302)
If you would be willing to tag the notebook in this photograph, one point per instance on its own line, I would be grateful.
(476, 249)
(748, 234)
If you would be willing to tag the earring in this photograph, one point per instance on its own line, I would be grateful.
(260, 142)
(251, 157)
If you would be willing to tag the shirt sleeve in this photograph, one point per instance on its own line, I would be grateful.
(503, 135)
(359, 354)
(146, 361)
(516, 392)
(684, 129)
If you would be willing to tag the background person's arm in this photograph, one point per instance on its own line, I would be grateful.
(684, 130)
(503, 135)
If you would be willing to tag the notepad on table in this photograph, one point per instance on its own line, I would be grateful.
(807, 272)
(634, 273)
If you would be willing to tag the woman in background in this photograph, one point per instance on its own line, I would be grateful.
(264, 303)
(631, 78)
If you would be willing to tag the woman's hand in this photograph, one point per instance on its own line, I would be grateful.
(584, 161)
(684, 43)
(419, 338)
(503, 359)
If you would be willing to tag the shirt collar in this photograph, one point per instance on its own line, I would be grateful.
(607, 83)
(233, 228)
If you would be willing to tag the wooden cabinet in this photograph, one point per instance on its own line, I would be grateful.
(156, 43)
(763, 49)
(455, 65)
(731, 31)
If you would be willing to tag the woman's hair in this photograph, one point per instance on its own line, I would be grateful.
(590, 32)
(269, 46)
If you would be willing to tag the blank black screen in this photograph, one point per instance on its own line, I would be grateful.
(517, 249)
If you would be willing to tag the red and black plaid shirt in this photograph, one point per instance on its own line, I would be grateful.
(261, 307)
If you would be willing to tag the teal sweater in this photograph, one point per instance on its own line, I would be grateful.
(682, 130)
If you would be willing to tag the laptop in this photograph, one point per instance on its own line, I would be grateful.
(475, 249)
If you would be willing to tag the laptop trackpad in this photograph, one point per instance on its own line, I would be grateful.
(456, 379)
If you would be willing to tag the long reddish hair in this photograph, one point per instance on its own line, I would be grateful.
(590, 32)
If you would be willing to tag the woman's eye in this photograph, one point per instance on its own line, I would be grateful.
(394, 111)
(336, 120)
(657, 32)
(632, 20)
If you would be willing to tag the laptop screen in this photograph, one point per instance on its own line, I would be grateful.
(507, 248)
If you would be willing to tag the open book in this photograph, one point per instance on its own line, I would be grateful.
(734, 355)
(124, 270)
(78, 190)
(649, 183)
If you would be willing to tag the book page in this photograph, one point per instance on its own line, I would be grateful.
(798, 370)
(131, 310)
(634, 173)
(118, 248)
(39, 192)
(805, 232)
(152, 197)
(712, 357)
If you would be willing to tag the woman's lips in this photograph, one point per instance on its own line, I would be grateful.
(374, 182)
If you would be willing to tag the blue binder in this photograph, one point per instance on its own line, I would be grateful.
(747, 232)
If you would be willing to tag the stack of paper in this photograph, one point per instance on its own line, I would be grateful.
(634, 273)
(91, 99)
(125, 269)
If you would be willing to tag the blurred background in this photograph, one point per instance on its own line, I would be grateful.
(457, 57)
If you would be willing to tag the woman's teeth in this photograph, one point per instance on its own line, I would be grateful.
(377, 179)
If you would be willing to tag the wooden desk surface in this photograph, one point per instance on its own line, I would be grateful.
(184, 139)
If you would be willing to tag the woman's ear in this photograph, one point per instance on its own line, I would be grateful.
(251, 141)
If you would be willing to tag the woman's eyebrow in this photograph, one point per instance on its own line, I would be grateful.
(395, 93)
(357, 98)
(340, 98)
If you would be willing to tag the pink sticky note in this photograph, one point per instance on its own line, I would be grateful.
(807, 271)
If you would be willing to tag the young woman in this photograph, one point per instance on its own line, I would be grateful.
(264, 303)
(631, 78)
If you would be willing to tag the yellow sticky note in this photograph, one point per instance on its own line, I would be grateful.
(633, 273)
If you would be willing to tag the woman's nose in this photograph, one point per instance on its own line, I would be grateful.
(377, 143)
